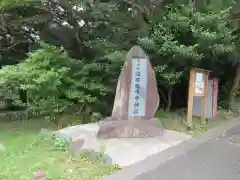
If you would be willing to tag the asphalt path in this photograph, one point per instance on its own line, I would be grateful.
(216, 159)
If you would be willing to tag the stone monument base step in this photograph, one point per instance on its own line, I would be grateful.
(120, 151)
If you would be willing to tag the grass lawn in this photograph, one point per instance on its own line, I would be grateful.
(27, 151)
(176, 122)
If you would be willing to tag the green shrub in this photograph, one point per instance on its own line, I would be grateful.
(54, 83)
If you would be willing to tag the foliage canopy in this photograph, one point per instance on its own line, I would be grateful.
(77, 66)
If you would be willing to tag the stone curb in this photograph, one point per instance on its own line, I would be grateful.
(151, 163)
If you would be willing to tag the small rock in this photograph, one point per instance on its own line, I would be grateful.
(97, 156)
(45, 130)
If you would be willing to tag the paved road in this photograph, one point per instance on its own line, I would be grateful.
(216, 159)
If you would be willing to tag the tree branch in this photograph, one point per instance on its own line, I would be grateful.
(13, 45)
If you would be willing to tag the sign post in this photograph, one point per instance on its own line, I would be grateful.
(198, 85)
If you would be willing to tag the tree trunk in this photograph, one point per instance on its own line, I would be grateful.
(235, 87)
(163, 96)
(169, 99)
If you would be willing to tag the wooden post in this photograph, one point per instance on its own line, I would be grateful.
(190, 98)
(198, 86)
(204, 98)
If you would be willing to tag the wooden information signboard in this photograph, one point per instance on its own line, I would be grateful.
(198, 84)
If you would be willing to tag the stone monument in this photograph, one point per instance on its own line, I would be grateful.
(136, 101)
